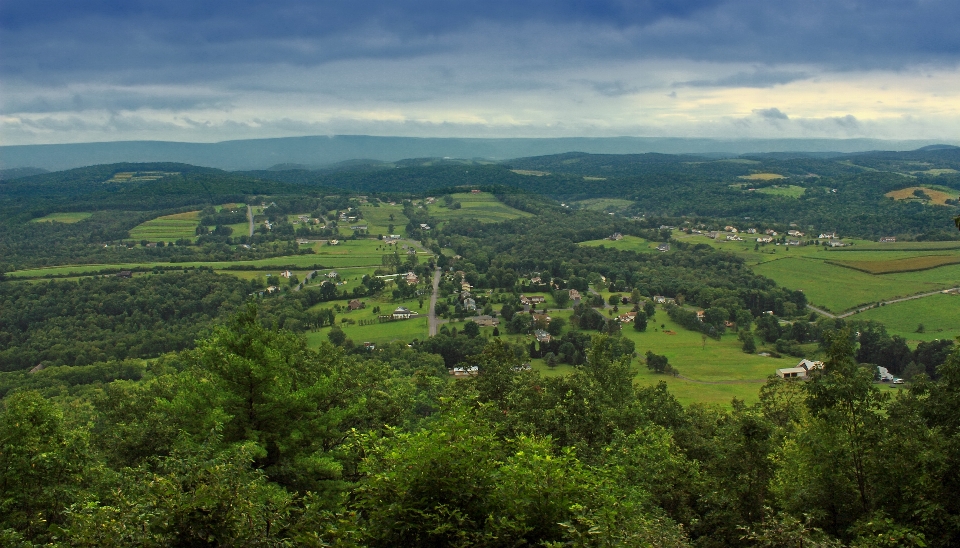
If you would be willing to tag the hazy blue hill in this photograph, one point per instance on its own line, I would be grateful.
(327, 150)
(95, 187)
(18, 172)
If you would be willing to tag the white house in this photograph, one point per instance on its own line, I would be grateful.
(403, 313)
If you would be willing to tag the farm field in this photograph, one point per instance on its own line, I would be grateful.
(722, 369)
(168, 228)
(934, 195)
(939, 314)
(899, 246)
(378, 220)
(484, 207)
(68, 217)
(762, 177)
(628, 243)
(910, 264)
(838, 289)
(790, 191)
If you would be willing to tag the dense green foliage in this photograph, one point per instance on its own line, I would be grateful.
(109, 318)
(250, 438)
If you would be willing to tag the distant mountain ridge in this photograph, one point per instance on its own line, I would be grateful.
(316, 151)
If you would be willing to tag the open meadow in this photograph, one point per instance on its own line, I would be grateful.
(483, 207)
(790, 191)
(939, 315)
(378, 219)
(628, 243)
(66, 217)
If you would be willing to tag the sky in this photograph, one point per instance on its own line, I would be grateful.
(211, 70)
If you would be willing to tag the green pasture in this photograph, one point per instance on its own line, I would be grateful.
(939, 314)
(378, 220)
(240, 229)
(404, 330)
(483, 207)
(380, 333)
(790, 191)
(837, 289)
(68, 217)
(713, 373)
(168, 228)
(628, 243)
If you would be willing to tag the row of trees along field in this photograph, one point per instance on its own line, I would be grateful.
(252, 439)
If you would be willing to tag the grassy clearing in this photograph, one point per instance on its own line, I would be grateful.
(939, 314)
(790, 191)
(944, 171)
(168, 228)
(714, 373)
(68, 217)
(604, 204)
(837, 288)
(911, 264)
(530, 172)
(483, 207)
(628, 243)
(378, 220)
(934, 196)
(762, 177)
(401, 330)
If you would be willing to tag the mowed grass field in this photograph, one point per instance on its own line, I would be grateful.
(939, 314)
(378, 220)
(68, 217)
(483, 207)
(712, 374)
(168, 228)
(604, 204)
(837, 289)
(790, 191)
(628, 243)
(762, 177)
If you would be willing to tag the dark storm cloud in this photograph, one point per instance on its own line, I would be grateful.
(44, 38)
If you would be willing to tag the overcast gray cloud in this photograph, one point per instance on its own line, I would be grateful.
(115, 69)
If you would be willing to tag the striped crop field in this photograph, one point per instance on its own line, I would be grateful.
(168, 228)
(911, 264)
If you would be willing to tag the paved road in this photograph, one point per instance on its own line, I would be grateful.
(431, 316)
(250, 218)
(868, 307)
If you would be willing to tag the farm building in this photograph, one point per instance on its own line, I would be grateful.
(792, 373)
